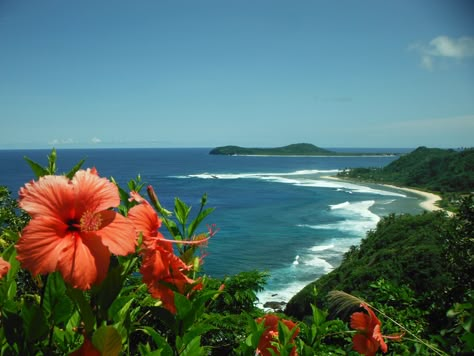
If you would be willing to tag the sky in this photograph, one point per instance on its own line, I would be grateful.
(253, 73)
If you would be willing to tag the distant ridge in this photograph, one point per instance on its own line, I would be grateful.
(297, 149)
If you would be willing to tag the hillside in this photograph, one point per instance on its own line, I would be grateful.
(432, 169)
(430, 255)
(298, 149)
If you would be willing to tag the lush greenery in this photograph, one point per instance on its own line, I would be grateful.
(432, 169)
(298, 149)
(414, 272)
(416, 267)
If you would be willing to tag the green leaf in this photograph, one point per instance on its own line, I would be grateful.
(34, 322)
(109, 288)
(181, 211)
(107, 340)
(183, 306)
(37, 169)
(193, 348)
(52, 162)
(55, 301)
(84, 307)
(159, 340)
(74, 169)
(195, 223)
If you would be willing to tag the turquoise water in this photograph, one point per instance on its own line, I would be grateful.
(278, 214)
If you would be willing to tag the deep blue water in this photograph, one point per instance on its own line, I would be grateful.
(279, 214)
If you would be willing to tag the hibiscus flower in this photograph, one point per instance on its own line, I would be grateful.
(87, 349)
(73, 230)
(162, 271)
(271, 334)
(369, 337)
(4, 267)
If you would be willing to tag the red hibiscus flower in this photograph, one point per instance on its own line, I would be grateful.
(72, 229)
(4, 267)
(87, 349)
(271, 334)
(161, 268)
(369, 339)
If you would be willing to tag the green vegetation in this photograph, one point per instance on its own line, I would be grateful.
(414, 273)
(414, 268)
(431, 169)
(297, 149)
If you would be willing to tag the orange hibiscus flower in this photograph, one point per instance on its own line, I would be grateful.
(161, 268)
(73, 230)
(370, 338)
(271, 334)
(87, 349)
(4, 267)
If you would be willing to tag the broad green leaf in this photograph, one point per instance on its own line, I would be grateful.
(37, 169)
(84, 307)
(107, 340)
(34, 321)
(56, 303)
(109, 288)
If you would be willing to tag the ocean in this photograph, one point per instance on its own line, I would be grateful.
(283, 215)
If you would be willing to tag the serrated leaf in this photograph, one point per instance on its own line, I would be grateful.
(107, 340)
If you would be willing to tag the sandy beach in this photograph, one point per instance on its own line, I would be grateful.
(430, 199)
(428, 204)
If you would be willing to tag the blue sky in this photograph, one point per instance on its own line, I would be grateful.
(202, 73)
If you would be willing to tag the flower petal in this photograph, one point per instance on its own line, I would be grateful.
(144, 219)
(364, 345)
(117, 233)
(40, 244)
(84, 260)
(4, 267)
(93, 192)
(50, 196)
(360, 321)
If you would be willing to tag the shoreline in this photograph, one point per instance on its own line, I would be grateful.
(429, 202)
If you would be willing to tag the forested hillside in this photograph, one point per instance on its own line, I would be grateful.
(433, 169)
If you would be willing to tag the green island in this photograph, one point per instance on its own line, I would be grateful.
(297, 149)
(411, 278)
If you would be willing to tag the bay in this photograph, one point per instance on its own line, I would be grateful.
(276, 214)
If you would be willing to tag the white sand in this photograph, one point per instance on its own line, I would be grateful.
(428, 204)
(430, 199)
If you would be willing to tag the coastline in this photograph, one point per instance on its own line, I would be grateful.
(429, 202)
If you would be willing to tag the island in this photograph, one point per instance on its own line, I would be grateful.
(297, 149)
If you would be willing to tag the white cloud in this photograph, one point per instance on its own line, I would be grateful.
(62, 141)
(96, 140)
(444, 47)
